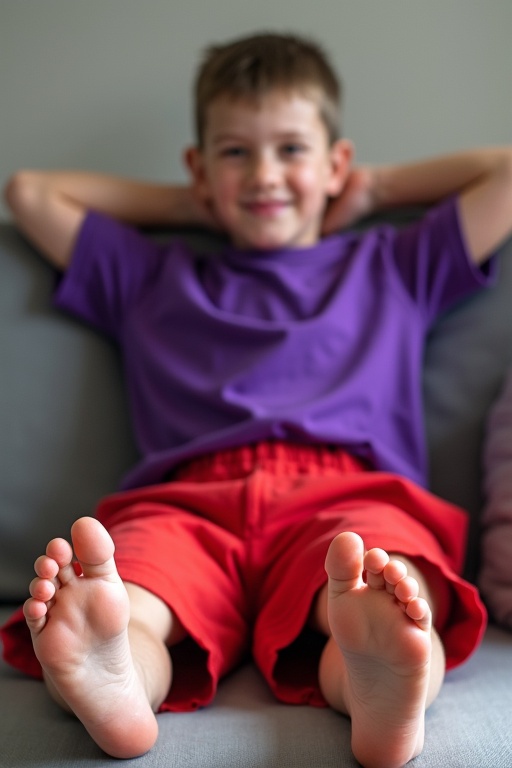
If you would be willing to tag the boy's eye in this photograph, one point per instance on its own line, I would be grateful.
(293, 148)
(233, 151)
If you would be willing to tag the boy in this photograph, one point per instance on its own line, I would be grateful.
(276, 400)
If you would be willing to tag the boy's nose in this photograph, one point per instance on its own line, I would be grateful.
(264, 170)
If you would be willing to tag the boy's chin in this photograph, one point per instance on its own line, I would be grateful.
(275, 243)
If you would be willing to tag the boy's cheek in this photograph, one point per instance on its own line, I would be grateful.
(223, 192)
(199, 174)
(223, 213)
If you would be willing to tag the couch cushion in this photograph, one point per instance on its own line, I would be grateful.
(468, 726)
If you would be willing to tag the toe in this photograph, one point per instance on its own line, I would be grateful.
(42, 589)
(344, 562)
(93, 547)
(60, 553)
(406, 589)
(46, 567)
(394, 572)
(35, 614)
(419, 611)
(375, 561)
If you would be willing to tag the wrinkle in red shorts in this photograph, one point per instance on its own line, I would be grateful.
(235, 545)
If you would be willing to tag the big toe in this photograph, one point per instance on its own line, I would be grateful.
(344, 561)
(93, 546)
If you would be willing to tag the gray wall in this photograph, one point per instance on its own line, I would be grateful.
(104, 84)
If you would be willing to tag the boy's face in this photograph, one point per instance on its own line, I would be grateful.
(266, 170)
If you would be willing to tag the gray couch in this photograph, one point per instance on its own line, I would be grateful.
(65, 441)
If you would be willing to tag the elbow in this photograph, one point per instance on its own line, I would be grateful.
(21, 192)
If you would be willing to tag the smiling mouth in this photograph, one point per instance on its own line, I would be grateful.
(266, 208)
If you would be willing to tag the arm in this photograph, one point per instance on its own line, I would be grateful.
(49, 207)
(482, 179)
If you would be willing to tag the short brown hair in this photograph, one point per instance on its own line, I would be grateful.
(251, 67)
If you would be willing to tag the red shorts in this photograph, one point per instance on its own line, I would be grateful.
(235, 545)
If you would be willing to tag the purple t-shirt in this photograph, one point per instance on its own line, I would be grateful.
(319, 344)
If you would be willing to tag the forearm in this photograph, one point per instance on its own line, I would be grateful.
(428, 181)
(49, 207)
(481, 178)
(134, 202)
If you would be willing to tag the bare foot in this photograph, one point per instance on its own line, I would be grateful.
(79, 631)
(383, 630)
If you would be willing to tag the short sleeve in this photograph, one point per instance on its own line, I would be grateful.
(434, 264)
(110, 264)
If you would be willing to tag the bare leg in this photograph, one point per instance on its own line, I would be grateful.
(101, 655)
(383, 663)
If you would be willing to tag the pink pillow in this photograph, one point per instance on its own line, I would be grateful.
(495, 578)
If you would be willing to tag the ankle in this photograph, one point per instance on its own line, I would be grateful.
(152, 663)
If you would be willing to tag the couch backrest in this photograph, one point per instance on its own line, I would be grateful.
(64, 431)
(65, 438)
(468, 355)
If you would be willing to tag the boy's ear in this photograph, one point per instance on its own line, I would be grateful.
(342, 153)
(193, 159)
